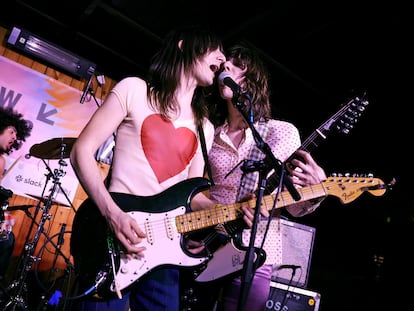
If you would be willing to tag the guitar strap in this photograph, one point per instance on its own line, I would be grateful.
(204, 149)
(248, 181)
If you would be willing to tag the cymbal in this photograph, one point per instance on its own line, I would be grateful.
(55, 148)
(19, 207)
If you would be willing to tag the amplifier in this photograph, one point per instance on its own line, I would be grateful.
(288, 298)
(297, 246)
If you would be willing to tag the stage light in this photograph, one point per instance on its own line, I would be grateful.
(40, 48)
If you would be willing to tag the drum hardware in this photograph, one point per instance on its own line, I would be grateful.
(54, 149)
(5, 194)
(5, 229)
(56, 175)
(58, 247)
(53, 284)
(17, 290)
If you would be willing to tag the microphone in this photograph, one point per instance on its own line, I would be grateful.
(19, 207)
(225, 78)
(293, 267)
(61, 240)
(86, 90)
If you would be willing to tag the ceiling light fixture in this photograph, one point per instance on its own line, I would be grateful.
(33, 45)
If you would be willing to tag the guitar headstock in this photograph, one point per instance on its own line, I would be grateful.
(345, 119)
(349, 187)
(342, 121)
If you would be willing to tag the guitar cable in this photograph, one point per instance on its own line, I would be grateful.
(57, 297)
(285, 296)
(114, 285)
(99, 280)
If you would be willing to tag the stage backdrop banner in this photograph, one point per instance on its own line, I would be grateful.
(55, 110)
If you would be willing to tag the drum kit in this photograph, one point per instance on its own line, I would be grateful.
(15, 295)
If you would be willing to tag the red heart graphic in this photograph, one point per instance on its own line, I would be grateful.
(168, 150)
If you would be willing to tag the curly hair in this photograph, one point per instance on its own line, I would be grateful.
(9, 117)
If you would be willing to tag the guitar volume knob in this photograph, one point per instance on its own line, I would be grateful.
(124, 269)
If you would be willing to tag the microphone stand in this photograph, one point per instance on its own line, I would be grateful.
(263, 167)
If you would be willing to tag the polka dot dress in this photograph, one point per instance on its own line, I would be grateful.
(273, 242)
(283, 139)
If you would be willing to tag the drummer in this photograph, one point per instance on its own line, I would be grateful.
(13, 132)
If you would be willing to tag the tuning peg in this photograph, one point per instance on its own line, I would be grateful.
(337, 175)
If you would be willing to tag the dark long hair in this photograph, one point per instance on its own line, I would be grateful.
(169, 62)
(9, 117)
(256, 83)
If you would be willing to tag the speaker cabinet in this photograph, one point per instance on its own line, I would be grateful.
(297, 246)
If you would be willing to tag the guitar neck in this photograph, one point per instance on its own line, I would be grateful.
(336, 121)
(345, 188)
(308, 145)
(225, 213)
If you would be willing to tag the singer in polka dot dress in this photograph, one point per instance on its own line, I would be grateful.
(233, 143)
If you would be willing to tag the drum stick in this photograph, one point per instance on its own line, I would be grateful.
(11, 167)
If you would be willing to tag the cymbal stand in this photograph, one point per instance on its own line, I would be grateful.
(61, 163)
(18, 299)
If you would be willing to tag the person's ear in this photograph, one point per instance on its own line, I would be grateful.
(180, 44)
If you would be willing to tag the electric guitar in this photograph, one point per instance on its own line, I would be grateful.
(104, 269)
(228, 255)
